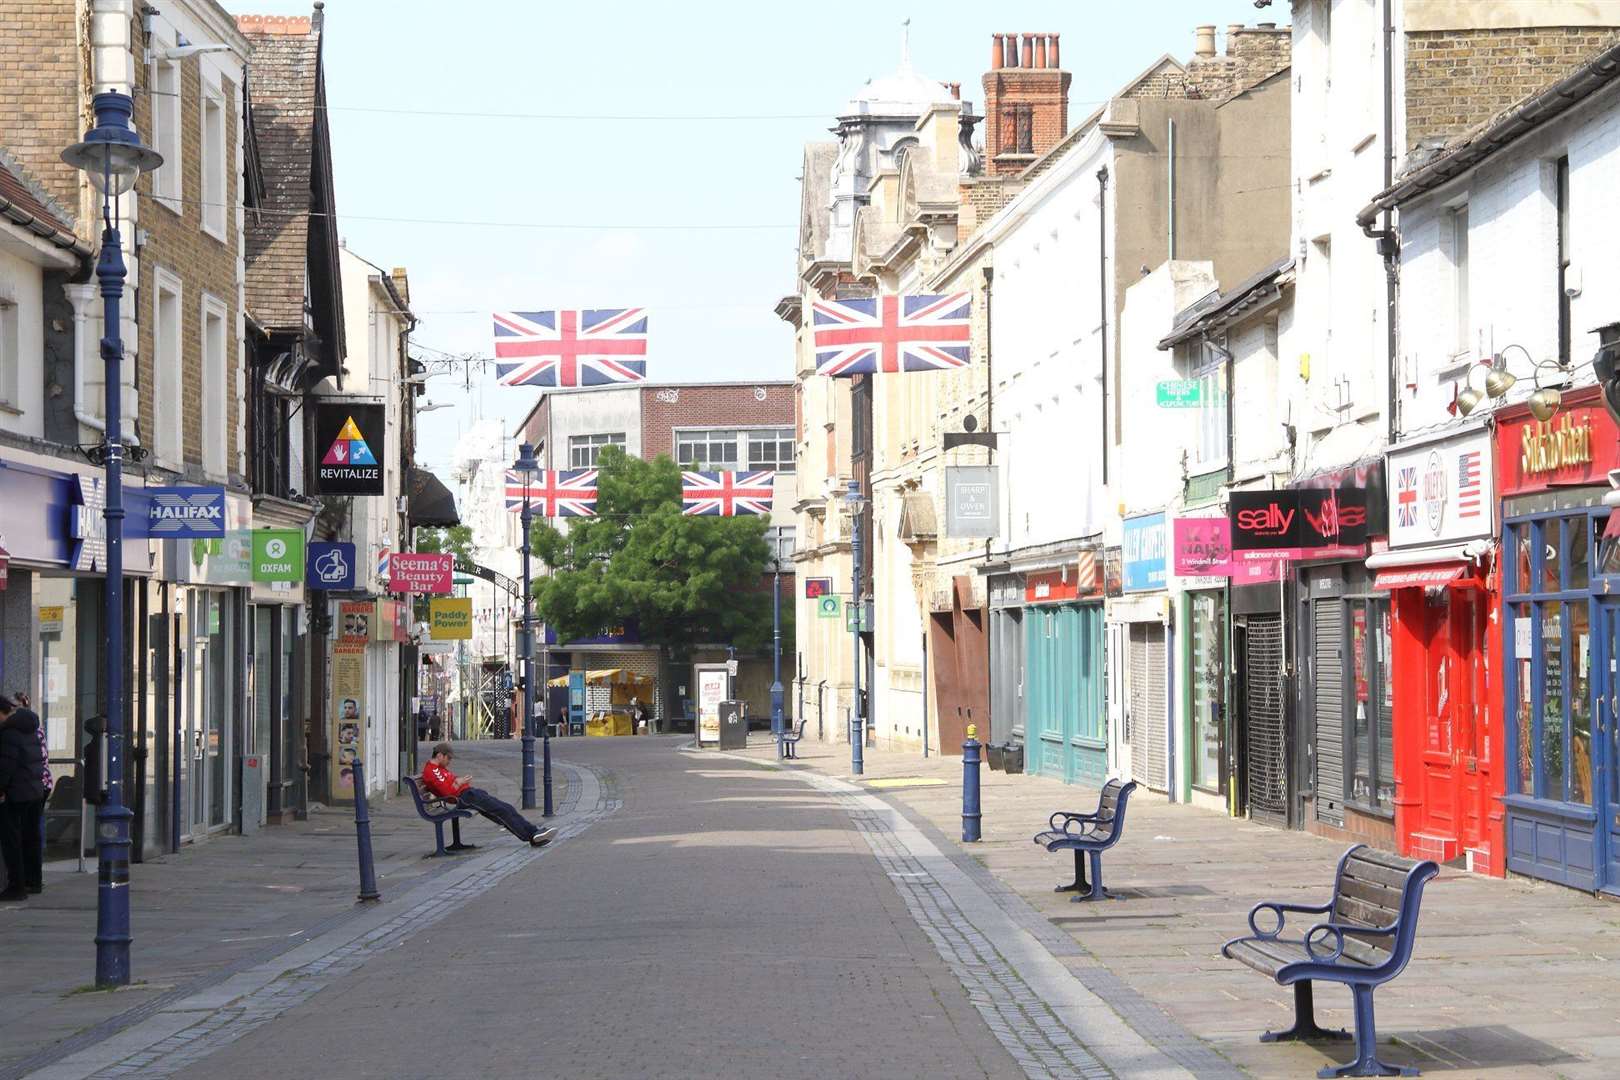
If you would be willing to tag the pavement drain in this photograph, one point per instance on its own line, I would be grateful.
(219, 1027)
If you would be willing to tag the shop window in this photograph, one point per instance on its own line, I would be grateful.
(1524, 703)
(585, 451)
(1551, 640)
(1580, 704)
(1579, 559)
(1207, 677)
(1370, 771)
(1522, 538)
(1552, 534)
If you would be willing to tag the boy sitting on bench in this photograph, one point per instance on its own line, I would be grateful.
(437, 778)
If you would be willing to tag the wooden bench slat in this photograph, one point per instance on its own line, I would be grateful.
(1347, 909)
(1371, 892)
(1373, 872)
(1386, 859)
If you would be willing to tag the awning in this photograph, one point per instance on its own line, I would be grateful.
(430, 501)
(1422, 576)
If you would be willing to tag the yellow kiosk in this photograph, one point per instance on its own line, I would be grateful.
(622, 688)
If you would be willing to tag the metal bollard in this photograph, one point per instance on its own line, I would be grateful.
(362, 834)
(545, 751)
(970, 787)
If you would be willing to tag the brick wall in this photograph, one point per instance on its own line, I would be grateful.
(1458, 78)
(1252, 53)
(40, 111)
(177, 243)
(710, 407)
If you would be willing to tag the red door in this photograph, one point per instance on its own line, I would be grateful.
(1436, 832)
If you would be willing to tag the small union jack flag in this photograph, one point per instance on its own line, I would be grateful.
(892, 333)
(593, 347)
(554, 492)
(727, 494)
(1406, 496)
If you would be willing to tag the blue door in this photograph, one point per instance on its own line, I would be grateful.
(1064, 697)
(1606, 753)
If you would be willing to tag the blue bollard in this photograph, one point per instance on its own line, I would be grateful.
(970, 787)
(362, 834)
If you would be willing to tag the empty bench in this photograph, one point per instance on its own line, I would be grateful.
(791, 737)
(1363, 941)
(1089, 835)
(437, 810)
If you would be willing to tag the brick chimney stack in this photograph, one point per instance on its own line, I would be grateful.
(1026, 101)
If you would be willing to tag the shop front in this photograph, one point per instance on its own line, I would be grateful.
(1146, 744)
(1560, 584)
(1202, 555)
(1008, 717)
(1062, 668)
(1444, 655)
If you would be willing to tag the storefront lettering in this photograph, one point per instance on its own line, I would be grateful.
(1272, 520)
(1548, 447)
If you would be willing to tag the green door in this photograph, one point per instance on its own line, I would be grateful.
(1063, 659)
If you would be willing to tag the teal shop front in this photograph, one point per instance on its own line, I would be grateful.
(1065, 717)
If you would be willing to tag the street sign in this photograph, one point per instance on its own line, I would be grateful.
(864, 617)
(1179, 394)
(817, 587)
(827, 607)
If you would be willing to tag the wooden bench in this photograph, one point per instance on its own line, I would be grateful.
(791, 737)
(1089, 835)
(437, 810)
(1363, 942)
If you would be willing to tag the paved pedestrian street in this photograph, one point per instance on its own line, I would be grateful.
(708, 914)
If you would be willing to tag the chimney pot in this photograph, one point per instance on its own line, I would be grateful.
(1204, 41)
(1029, 51)
(1040, 50)
(1052, 54)
(1266, 25)
(995, 51)
(1232, 31)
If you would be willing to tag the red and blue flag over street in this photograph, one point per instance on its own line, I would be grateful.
(892, 333)
(727, 494)
(554, 492)
(572, 348)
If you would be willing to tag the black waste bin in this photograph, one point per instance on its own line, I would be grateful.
(993, 755)
(1012, 757)
(733, 725)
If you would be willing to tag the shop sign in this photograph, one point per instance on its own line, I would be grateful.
(50, 619)
(817, 587)
(1113, 571)
(391, 621)
(1442, 491)
(971, 502)
(227, 561)
(1203, 547)
(348, 713)
(87, 524)
(1144, 553)
(1299, 522)
(420, 572)
(450, 618)
(354, 621)
(278, 555)
(1179, 394)
(349, 438)
(331, 566)
(185, 513)
(1578, 446)
(827, 607)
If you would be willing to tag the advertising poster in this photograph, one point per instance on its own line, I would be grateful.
(354, 621)
(348, 713)
(711, 691)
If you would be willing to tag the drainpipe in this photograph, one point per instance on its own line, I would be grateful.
(1170, 185)
(989, 382)
(1102, 304)
(1388, 245)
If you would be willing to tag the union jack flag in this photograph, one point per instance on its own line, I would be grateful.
(1406, 496)
(554, 492)
(593, 347)
(727, 494)
(892, 333)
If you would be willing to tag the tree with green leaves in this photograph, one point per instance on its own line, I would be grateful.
(680, 580)
(456, 540)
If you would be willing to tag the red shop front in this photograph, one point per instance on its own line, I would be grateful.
(1445, 651)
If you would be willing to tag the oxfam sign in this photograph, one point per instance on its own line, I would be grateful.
(278, 555)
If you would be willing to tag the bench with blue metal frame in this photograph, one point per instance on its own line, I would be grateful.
(1364, 941)
(437, 810)
(791, 737)
(1089, 835)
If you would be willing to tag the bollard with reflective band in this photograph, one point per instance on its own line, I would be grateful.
(362, 834)
(970, 787)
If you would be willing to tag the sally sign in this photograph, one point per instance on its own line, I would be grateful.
(1300, 522)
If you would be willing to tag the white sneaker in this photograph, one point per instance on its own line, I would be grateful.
(543, 837)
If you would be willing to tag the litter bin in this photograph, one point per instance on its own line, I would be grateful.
(993, 755)
(733, 725)
(1012, 757)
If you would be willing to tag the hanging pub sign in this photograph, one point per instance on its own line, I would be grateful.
(349, 439)
(1441, 491)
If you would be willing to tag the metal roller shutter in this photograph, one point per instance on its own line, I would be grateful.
(1267, 741)
(1158, 696)
(1147, 701)
(1327, 618)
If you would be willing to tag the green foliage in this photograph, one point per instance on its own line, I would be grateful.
(457, 540)
(682, 580)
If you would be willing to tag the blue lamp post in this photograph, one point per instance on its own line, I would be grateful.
(112, 156)
(777, 725)
(857, 734)
(525, 467)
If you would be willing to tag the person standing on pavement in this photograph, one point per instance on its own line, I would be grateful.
(437, 778)
(22, 800)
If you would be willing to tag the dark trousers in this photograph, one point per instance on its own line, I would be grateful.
(501, 813)
(19, 843)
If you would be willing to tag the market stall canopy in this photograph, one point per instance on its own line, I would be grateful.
(430, 501)
(610, 677)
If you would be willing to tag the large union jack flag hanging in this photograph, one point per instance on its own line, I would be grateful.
(727, 494)
(892, 333)
(554, 492)
(593, 347)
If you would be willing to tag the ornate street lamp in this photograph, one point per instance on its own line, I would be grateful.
(857, 734)
(525, 468)
(112, 156)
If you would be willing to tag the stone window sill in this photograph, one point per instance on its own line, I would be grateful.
(9, 409)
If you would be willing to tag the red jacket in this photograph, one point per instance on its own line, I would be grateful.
(441, 781)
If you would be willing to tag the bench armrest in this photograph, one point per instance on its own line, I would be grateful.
(1338, 930)
(1280, 911)
(1064, 818)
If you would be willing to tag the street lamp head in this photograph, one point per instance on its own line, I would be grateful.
(111, 154)
(430, 406)
(525, 461)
